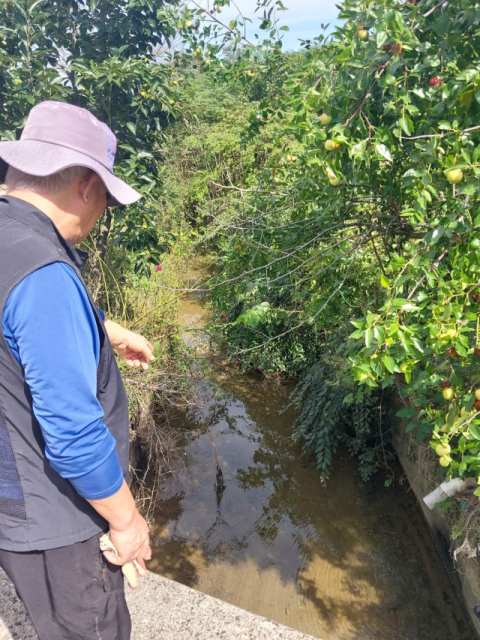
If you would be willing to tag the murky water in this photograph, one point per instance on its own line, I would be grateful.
(345, 561)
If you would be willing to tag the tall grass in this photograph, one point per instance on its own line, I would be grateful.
(149, 306)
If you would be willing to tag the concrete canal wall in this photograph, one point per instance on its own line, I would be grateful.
(465, 574)
(162, 609)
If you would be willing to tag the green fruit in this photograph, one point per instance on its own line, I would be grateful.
(464, 413)
(444, 461)
(404, 367)
(442, 449)
(445, 428)
(330, 145)
(448, 393)
(477, 394)
(454, 175)
(334, 181)
(325, 118)
(362, 34)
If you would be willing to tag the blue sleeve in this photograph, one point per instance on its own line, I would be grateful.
(51, 329)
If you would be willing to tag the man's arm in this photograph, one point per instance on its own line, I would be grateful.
(128, 530)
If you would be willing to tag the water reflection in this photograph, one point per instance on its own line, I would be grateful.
(343, 561)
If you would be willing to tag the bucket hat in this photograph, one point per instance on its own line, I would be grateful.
(58, 136)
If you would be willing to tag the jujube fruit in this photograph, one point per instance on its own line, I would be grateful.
(452, 352)
(448, 393)
(442, 449)
(330, 145)
(454, 175)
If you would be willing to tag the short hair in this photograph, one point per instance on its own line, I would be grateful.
(20, 181)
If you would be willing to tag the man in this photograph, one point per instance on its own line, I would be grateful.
(64, 424)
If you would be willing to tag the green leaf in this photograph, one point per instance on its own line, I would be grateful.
(369, 337)
(383, 151)
(382, 37)
(434, 236)
(474, 430)
(384, 282)
(390, 365)
(132, 128)
(442, 24)
(406, 413)
(406, 124)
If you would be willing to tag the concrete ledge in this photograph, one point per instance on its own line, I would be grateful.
(465, 574)
(162, 609)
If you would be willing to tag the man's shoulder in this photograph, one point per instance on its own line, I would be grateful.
(22, 250)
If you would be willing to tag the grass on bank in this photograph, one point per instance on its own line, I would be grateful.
(149, 306)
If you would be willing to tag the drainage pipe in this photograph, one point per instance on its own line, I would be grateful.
(449, 489)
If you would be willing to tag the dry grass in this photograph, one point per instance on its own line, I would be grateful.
(150, 306)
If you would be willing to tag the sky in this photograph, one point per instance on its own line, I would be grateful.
(303, 17)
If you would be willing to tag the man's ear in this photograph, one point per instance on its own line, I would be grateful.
(86, 184)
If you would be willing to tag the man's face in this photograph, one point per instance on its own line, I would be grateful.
(95, 204)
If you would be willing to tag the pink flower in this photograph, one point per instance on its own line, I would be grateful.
(159, 267)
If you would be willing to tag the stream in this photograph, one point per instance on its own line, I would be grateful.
(343, 561)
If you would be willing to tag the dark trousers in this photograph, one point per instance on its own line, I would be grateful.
(71, 593)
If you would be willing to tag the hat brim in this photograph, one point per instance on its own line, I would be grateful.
(43, 159)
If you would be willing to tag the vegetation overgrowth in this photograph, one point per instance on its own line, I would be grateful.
(336, 185)
(364, 210)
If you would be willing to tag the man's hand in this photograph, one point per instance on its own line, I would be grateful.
(133, 348)
(131, 542)
(128, 530)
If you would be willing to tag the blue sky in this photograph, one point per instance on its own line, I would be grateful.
(304, 17)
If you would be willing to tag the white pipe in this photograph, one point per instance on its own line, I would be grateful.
(449, 489)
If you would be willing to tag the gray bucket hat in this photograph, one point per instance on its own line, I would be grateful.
(58, 136)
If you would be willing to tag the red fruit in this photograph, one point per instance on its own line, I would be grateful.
(224, 315)
(434, 81)
(444, 384)
(476, 351)
(395, 49)
(476, 404)
(452, 352)
(476, 297)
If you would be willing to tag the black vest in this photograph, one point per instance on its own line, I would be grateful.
(38, 508)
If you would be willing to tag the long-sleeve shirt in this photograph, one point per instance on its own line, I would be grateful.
(51, 330)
